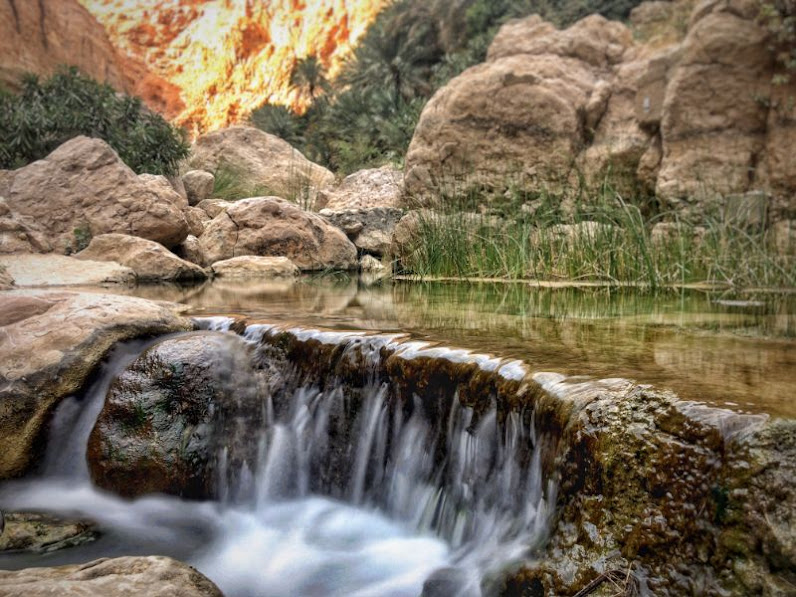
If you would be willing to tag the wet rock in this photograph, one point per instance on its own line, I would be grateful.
(269, 226)
(263, 160)
(50, 343)
(149, 260)
(376, 187)
(155, 576)
(82, 189)
(59, 270)
(168, 416)
(249, 266)
(198, 185)
(370, 230)
(31, 531)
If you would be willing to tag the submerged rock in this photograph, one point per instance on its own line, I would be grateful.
(49, 344)
(31, 531)
(154, 576)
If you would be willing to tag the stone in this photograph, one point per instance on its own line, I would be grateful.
(375, 187)
(213, 207)
(196, 218)
(154, 576)
(198, 185)
(59, 270)
(263, 160)
(36, 532)
(82, 189)
(6, 279)
(368, 263)
(149, 260)
(50, 342)
(270, 226)
(190, 250)
(169, 413)
(251, 266)
(20, 234)
(162, 186)
(784, 237)
(370, 229)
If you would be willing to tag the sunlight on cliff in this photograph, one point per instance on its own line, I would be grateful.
(229, 56)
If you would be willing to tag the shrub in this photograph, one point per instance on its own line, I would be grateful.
(46, 113)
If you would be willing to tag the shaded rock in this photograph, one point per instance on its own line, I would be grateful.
(270, 226)
(50, 343)
(369, 263)
(376, 187)
(155, 576)
(196, 219)
(6, 279)
(213, 207)
(198, 185)
(260, 159)
(19, 234)
(83, 189)
(59, 270)
(190, 250)
(370, 229)
(251, 266)
(168, 415)
(149, 260)
(30, 531)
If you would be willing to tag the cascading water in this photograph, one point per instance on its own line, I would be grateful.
(349, 493)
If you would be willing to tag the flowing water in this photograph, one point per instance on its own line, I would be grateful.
(395, 518)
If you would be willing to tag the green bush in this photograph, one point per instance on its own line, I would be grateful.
(46, 113)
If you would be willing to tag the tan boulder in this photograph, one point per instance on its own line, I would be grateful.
(190, 250)
(163, 187)
(271, 226)
(196, 219)
(261, 160)
(149, 260)
(154, 576)
(254, 266)
(213, 207)
(376, 187)
(49, 344)
(60, 270)
(6, 279)
(83, 189)
(18, 234)
(198, 185)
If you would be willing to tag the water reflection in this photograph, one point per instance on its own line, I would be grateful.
(737, 354)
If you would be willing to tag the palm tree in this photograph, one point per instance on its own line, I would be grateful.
(309, 77)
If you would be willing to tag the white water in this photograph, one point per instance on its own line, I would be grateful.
(389, 523)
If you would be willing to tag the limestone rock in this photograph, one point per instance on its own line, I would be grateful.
(213, 207)
(196, 218)
(370, 229)
(163, 187)
(20, 235)
(198, 185)
(261, 160)
(50, 343)
(35, 532)
(6, 279)
(83, 189)
(251, 266)
(376, 187)
(59, 270)
(154, 576)
(270, 226)
(190, 250)
(370, 264)
(149, 260)
(168, 414)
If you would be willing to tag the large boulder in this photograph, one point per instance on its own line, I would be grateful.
(271, 226)
(521, 117)
(168, 416)
(261, 160)
(83, 189)
(375, 187)
(60, 270)
(149, 260)
(49, 344)
(370, 229)
(198, 185)
(252, 266)
(156, 576)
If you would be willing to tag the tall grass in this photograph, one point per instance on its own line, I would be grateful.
(231, 184)
(601, 239)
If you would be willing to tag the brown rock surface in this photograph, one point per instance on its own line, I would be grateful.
(261, 160)
(83, 189)
(270, 226)
(148, 259)
(154, 576)
(198, 185)
(252, 266)
(36, 532)
(49, 344)
(376, 187)
(60, 270)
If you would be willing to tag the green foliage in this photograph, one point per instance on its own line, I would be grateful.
(46, 113)
(231, 185)
(309, 77)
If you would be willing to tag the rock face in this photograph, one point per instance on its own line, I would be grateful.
(198, 185)
(168, 415)
(261, 160)
(157, 576)
(691, 119)
(50, 343)
(370, 229)
(82, 189)
(270, 226)
(250, 266)
(6, 279)
(149, 260)
(59, 270)
(376, 187)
